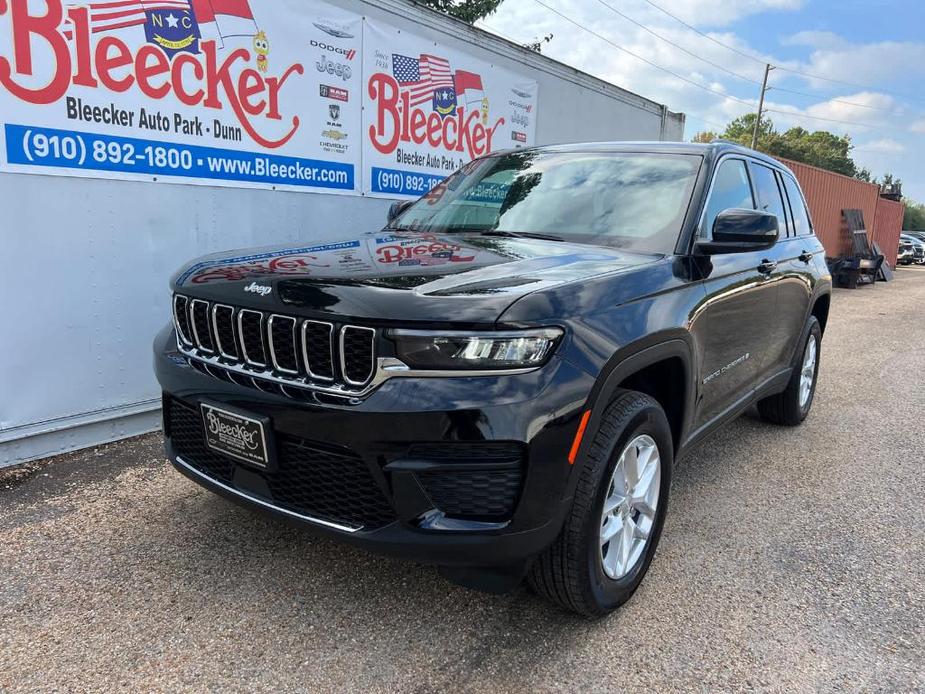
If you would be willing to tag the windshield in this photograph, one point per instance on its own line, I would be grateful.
(629, 200)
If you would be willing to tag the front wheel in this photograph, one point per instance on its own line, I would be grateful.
(613, 527)
(790, 407)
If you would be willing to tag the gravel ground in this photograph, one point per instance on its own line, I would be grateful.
(791, 560)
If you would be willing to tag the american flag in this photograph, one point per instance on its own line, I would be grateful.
(422, 75)
(110, 15)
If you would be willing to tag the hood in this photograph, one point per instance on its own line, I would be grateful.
(449, 278)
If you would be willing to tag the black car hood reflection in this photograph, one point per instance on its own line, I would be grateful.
(391, 276)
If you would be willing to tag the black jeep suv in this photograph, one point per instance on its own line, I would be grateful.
(500, 381)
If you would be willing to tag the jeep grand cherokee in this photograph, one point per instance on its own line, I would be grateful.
(500, 381)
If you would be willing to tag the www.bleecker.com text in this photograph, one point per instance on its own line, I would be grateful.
(77, 109)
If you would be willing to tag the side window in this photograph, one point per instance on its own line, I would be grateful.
(769, 195)
(798, 211)
(730, 189)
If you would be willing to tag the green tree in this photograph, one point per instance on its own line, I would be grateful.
(914, 216)
(820, 148)
(466, 10)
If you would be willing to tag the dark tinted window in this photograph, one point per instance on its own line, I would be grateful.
(797, 207)
(730, 189)
(769, 197)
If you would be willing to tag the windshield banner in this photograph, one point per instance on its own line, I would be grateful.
(429, 108)
(221, 92)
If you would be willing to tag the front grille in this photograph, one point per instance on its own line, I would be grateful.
(258, 349)
(312, 479)
(478, 480)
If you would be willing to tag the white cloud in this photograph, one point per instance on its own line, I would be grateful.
(885, 145)
(878, 123)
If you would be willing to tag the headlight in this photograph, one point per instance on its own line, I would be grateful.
(518, 349)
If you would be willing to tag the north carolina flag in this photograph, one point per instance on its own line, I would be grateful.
(229, 17)
(468, 86)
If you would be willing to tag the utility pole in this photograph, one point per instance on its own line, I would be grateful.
(764, 88)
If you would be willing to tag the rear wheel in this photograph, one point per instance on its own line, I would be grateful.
(613, 527)
(790, 407)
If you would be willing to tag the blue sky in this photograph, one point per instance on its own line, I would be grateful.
(877, 47)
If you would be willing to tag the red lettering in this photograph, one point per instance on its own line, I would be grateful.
(274, 84)
(105, 63)
(418, 125)
(145, 71)
(384, 91)
(44, 26)
(80, 18)
(434, 129)
(250, 83)
(176, 77)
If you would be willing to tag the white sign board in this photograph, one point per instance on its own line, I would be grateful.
(430, 108)
(223, 92)
(248, 93)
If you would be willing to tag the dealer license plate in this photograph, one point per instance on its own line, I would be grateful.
(238, 435)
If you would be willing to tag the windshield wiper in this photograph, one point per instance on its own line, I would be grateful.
(522, 234)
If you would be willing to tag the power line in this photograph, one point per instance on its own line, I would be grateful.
(695, 83)
(785, 69)
(645, 60)
(678, 46)
(736, 74)
(706, 36)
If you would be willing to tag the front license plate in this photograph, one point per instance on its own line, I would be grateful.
(235, 434)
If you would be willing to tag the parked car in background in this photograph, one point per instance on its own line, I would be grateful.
(918, 247)
(904, 254)
(499, 381)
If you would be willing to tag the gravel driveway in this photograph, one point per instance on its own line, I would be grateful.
(791, 560)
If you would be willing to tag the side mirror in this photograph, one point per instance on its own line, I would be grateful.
(740, 230)
(396, 208)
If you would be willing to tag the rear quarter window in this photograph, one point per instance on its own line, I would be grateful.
(801, 221)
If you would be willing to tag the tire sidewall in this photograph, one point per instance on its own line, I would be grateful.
(814, 332)
(609, 593)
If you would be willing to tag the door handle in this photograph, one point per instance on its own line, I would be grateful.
(767, 267)
(806, 256)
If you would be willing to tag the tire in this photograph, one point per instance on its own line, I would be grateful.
(788, 408)
(571, 572)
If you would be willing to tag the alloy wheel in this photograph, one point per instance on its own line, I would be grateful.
(628, 516)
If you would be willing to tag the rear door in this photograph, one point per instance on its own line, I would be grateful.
(735, 324)
(778, 192)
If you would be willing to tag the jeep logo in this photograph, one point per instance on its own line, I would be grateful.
(342, 70)
(261, 289)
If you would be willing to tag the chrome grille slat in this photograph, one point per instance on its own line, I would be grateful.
(357, 354)
(181, 318)
(277, 353)
(223, 324)
(199, 319)
(283, 353)
(245, 330)
(318, 340)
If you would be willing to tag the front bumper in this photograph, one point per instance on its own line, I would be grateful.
(395, 440)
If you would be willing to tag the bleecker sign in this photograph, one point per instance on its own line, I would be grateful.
(209, 90)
